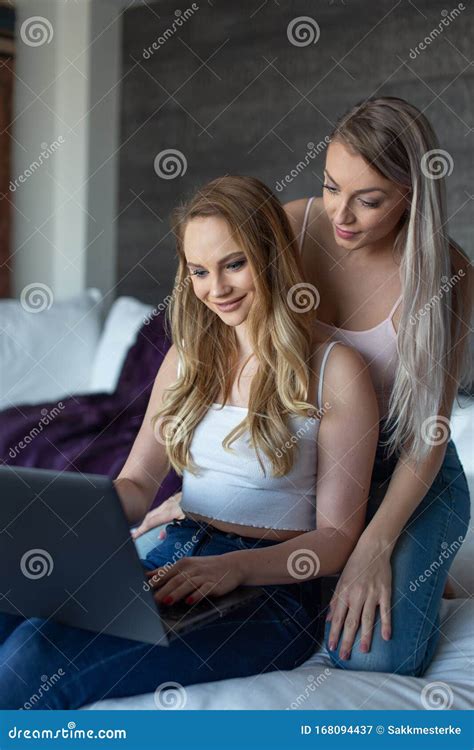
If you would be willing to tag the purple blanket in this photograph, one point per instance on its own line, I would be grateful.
(91, 433)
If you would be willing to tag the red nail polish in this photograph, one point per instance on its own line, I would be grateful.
(343, 655)
(189, 600)
(332, 645)
(364, 647)
(167, 600)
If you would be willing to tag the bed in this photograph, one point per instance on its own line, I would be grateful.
(447, 684)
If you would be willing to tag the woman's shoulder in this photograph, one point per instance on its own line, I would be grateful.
(345, 359)
(342, 363)
(345, 376)
(295, 210)
(171, 362)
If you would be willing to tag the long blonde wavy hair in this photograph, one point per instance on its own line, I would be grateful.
(395, 138)
(279, 326)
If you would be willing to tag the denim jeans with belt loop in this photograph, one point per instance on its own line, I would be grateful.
(274, 632)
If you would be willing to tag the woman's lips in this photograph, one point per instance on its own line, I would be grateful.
(228, 306)
(344, 233)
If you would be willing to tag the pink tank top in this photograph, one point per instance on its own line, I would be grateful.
(377, 345)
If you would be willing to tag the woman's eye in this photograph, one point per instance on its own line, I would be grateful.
(330, 188)
(370, 205)
(233, 266)
(236, 265)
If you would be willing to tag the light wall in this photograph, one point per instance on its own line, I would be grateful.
(67, 94)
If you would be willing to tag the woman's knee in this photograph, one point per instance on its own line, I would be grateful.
(393, 656)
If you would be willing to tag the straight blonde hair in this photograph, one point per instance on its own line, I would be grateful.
(396, 139)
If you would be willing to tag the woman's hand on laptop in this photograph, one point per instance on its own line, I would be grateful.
(165, 513)
(196, 578)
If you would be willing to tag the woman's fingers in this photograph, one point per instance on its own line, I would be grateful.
(172, 507)
(139, 531)
(367, 624)
(351, 626)
(193, 591)
(165, 513)
(173, 592)
(338, 611)
(385, 614)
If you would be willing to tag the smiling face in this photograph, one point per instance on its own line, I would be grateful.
(364, 207)
(219, 269)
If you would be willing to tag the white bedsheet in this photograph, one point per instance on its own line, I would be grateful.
(317, 685)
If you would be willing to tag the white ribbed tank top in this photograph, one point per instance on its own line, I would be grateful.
(231, 487)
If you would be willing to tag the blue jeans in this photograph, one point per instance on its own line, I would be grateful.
(420, 563)
(276, 632)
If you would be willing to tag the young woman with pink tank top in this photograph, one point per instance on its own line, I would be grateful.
(394, 286)
(391, 284)
(258, 414)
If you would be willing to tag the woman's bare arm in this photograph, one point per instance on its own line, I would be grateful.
(347, 443)
(366, 582)
(147, 463)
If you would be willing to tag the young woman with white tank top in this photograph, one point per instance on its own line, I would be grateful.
(280, 507)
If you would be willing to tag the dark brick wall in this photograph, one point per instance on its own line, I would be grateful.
(233, 95)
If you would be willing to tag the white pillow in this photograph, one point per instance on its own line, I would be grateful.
(124, 320)
(47, 346)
